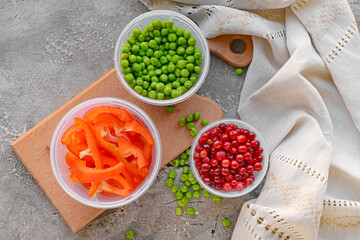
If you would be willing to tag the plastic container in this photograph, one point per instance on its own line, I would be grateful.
(259, 176)
(182, 22)
(60, 168)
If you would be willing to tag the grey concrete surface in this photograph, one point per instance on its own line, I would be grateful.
(50, 51)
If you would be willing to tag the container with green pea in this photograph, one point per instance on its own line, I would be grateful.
(162, 58)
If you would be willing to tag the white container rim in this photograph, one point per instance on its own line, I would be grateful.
(232, 193)
(206, 55)
(125, 104)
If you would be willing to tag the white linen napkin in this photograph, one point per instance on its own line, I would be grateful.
(302, 92)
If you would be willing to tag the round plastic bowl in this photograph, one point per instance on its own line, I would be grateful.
(259, 176)
(60, 168)
(182, 22)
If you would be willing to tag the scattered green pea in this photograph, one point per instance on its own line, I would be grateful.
(239, 71)
(185, 169)
(190, 210)
(175, 162)
(182, 122)
(205, 193)
(190, 125)
(182, 162)
(189, 118)
(217, 199)
(188, 151)
(196, 115)
(183, 177)
(169, 182)
(226, 222)
(193, 132)
(179, 195)
(178, 211)
(183, 156)
(196, 187)
(187, 183)
(130, 234)
(188, 194)
(205, 122)
(196, 194)
(174, 188)
(170, 109)
(184, 189)
(172, 174)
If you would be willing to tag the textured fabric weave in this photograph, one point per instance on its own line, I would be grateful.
(302, 92)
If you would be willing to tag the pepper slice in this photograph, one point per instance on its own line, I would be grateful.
(121, 113)
(112, 189)
(135, 126)
(127, 149)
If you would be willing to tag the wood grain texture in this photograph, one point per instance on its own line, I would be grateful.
(220, 46)
(35, 154)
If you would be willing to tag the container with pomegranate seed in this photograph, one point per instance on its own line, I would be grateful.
(229, 158)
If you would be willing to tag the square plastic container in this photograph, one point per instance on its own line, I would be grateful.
(259, 175)
(182, 22)
(61, 169)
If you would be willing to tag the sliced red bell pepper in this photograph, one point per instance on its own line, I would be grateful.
(112, 189)
(91, 141)
(113, 121)
(141, 143)
(121, 113)
(127, 149)
(135, 126)
(94, 189)
(85, 174)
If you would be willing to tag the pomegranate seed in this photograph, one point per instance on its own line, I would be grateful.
(227, 146)
(241, 149)
(260, 158)
(218, 187)
(205, 167)
(260, 150)
(234, 183)
(239, 186)
(217, 179)
(198, 148)
(227, 186)
(239, 157)
(232, 135)
(246, 175)
(241, 131)
(229, 177)
(212, 171)
(244, 184)
(224, 137)
(220, 155)
(255, 143)
(202, 141)
(236, 132)
(206, 180)
(249, 181)
(225, 171)
(249, 168)
(250, 161)
(217, 144)
(241, 138)
(206, 147)
(235, 164)
(228, 129)
(214, 162)
(222, 126)
(247, 156)
(217, 171)
(233, 126)
(242, 163)
(246, 132)
(214, 139)
(242, 170)
(209, 141)
(229, 156)
(252, 176)
(206, 160)
(225, 163)
(203, 154)
(257, 166)
(197, 156)
(205, 135)
(213, 151)
(234, 143)
(251, 135)
(233, 150)
(213, 132)
(237, 177)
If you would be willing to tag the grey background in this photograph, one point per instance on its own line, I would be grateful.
(51, 50)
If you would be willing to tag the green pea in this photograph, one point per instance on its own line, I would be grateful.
(197, 55)
(139, 81)
(196, 115)
(179, 32)
(193, 132)
(137, 67)
(180, 51)
(189, 118)
(174, 188)
(182, 122)
(169, 23)
(188, 84)
(164, 32)
(160, 96)
(172, 46)
(196, 194)
(146, 84)
(170, 109)
(152, 94)
(150, 27)
(160, 86)
(190, 210)
(193, 181)
(187, 183)
(205, 193)
(179, 195)
(138, 89)
(175, 162)
(132, 58)
(135, 48)
(157, 24)
(144, 92)
(187, 34)
(190, 125)
(205, 122)
(183, 156)
(197, 69)
(131, 41)
(124, 63)
(190, 59)
(184, 73)
(150, 67)
(226, 222)
(172, 37)
(182, 162)
(141, 38)
(188, 194)
(164, 78)
(172, 174)
(124, 56)
(183, 177)
(126, 70)
(239, 71)
(188, 151)
(175, 94)
(129, 77)
(193, 80)
(149, 52)
(185, 169)
(178, 211)
(175, 59)
(192, 41)
(169, 182)
(198, 62)
(182, 64)
(196, 187)
(171, 68)
(177, 72)
(189, 67)
(217, 199)
(156, 33)
(163, 60)
(130, 234)
(125, 50)
(182, 203)
(167, 91)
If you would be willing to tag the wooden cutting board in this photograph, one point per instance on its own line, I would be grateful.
(35, 154)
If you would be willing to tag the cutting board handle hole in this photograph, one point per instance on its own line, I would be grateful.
(237, 46)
